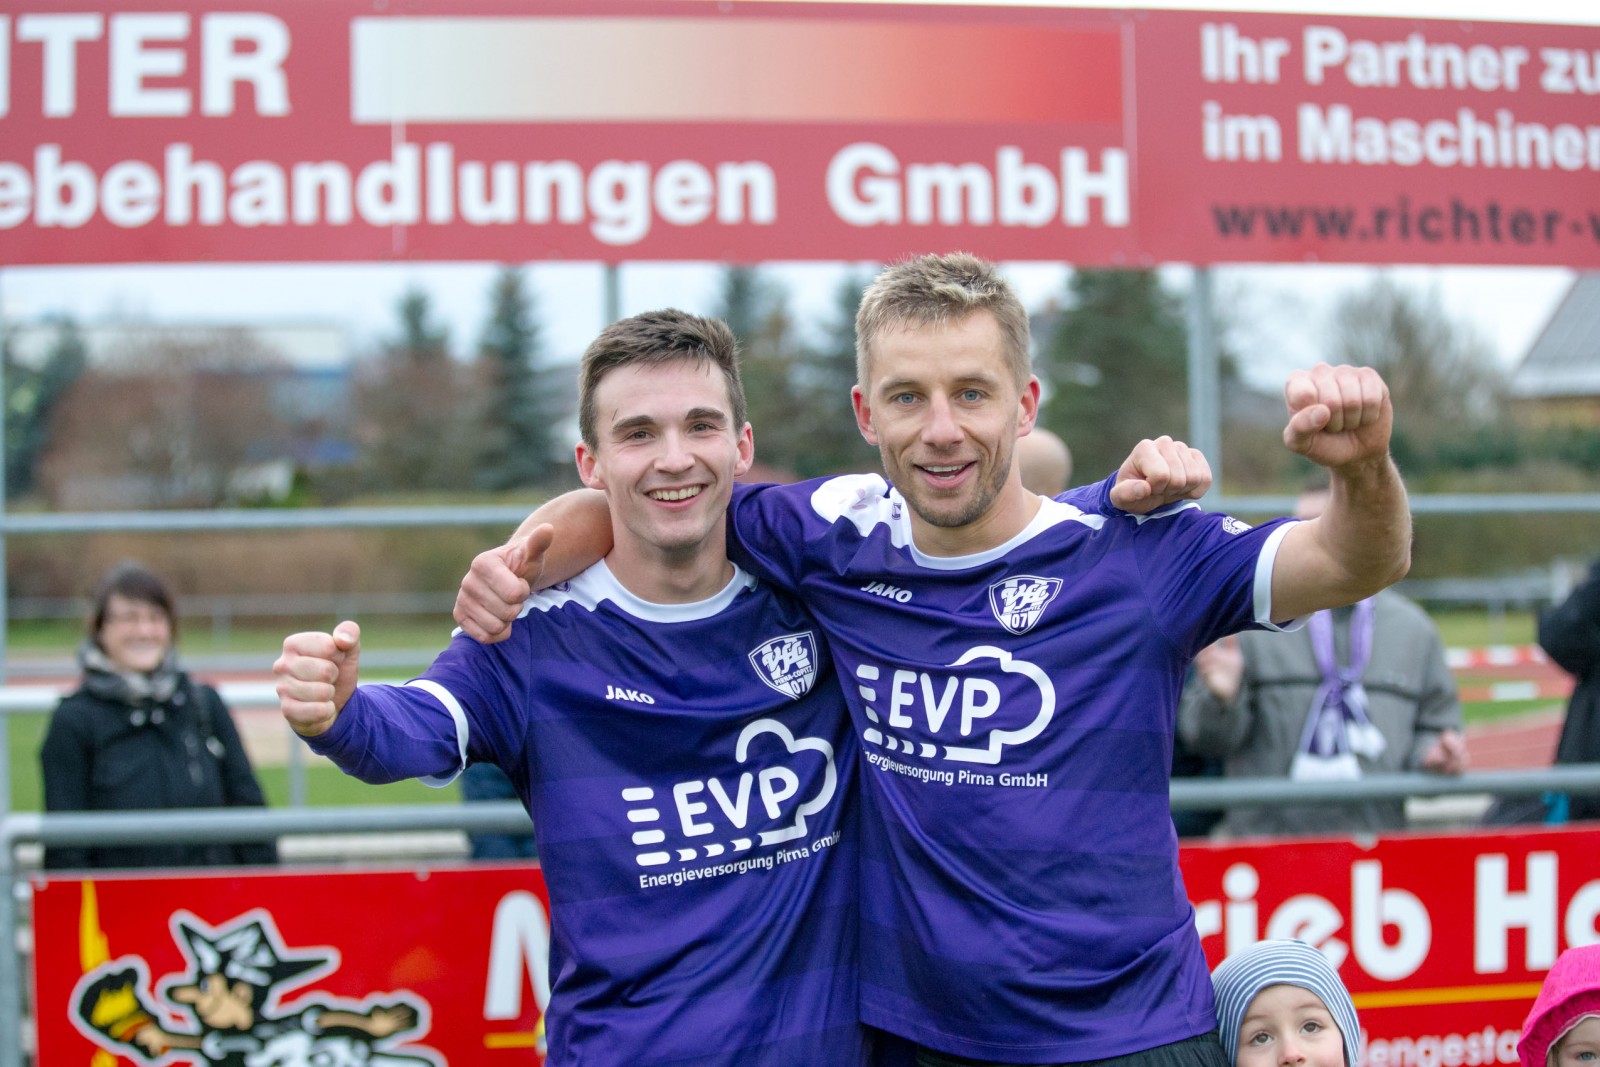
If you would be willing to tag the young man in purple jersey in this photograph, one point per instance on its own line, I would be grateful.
(674, 728)
(1013, 663)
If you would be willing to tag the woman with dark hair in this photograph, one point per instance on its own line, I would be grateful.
(141, 734)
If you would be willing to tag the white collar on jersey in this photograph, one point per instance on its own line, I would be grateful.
(598, 584)
(1051, 513)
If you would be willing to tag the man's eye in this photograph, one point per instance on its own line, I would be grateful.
(971, 396)
(902, 398)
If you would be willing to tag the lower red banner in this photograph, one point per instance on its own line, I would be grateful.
(1442, 939)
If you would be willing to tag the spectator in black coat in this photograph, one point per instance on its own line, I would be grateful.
(141, 734)
(1570, 635)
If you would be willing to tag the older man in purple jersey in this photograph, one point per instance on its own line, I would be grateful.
(1012, 665)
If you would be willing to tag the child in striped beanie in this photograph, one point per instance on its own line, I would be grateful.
(1283, 996)
(1564, 1025)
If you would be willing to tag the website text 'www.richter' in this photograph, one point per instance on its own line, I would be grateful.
(1453, 221)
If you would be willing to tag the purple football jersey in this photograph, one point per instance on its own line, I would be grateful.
(1021, 894)
(691, 773)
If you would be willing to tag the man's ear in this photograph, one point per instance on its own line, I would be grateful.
(1029, 403)
(747, 451)
(863, 409)
(587, 460)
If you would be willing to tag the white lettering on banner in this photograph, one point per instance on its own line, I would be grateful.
(1236, 137)
(1226, 55)
(620, 199)
(1583, 916)
(1413, 62)
(867, 185)
(1574, 71)
(244, 48)
(519, 944)
(1497, 909)
(1391, 931)
(1373, 908)
(1477, 1049)
(1337, 135)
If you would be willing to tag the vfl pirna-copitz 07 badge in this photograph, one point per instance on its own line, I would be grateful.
(226, 1010)
(1019, 601)
(788, 663)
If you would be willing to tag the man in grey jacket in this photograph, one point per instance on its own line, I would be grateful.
(1358, 690)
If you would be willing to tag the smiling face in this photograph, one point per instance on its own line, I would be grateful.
(134, 634)
(1287, 1026)
(666, 452)
(1578, 1047)
(945, 411)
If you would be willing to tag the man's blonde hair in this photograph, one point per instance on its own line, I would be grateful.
(936, 290)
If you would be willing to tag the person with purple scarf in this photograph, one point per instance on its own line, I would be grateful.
(1358, 690)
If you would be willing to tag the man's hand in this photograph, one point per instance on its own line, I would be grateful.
(1447, 755)
(499, 582)
(1160, 472)
(1221, 667)
(1338, 416)
(316, 675)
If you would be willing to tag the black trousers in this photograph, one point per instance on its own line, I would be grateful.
(1202, 1051)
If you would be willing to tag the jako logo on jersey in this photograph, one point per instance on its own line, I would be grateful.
(1234, 526)
(1018, 602)
(788, 664)
(615, 692)
(892, 592)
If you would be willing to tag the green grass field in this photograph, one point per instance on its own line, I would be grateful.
(328, 787)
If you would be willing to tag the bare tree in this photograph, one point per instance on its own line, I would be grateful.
(170, 421)
(1442, 376)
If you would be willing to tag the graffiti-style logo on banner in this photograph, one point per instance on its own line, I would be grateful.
(227, 1006)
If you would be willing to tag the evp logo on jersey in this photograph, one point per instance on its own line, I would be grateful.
(1019, 601)
(788, 664)
(779, 783)
(988, 700)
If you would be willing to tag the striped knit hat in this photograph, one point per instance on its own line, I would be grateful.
(1247, 972)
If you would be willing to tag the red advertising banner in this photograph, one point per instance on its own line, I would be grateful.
(1443, 941)
(400, 967)
(516, 130)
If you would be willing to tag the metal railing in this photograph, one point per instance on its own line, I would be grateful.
(201, 826)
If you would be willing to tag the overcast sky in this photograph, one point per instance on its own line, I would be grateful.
(1284, 308)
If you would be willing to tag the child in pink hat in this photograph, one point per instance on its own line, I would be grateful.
(1564, 1024)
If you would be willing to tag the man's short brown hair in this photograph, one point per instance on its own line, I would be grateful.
(651, 339)
(934, 290)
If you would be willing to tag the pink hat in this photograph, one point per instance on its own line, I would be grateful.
(1571, 990)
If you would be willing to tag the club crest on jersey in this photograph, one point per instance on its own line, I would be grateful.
(788, 664)
(1018, 602)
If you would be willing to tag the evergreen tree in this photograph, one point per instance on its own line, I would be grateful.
(826, 376)
(757, 312)
(1118, 366)
(31, 397)
(414, 408)
(515, 428)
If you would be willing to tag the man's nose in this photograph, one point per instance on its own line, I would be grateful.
(675, 454)
(941, 427)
